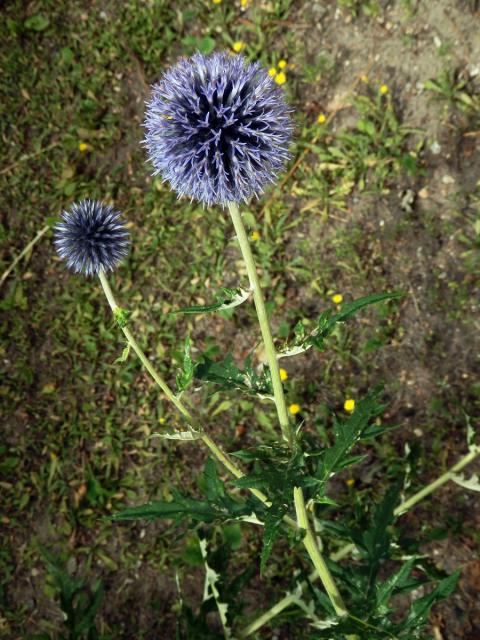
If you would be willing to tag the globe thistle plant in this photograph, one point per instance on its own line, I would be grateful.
(218, 128)
(91, 237)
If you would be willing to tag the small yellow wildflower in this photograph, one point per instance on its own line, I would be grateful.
(383, 89)
(216, 1)
(280, 78)
(364, 79)
(350, 482)
(294, 409)
(282, 64)
(283, 375)
(255, 236)
(349, 405)
(321, 118)
(337, 298)
(83, 146)
(162, 420)
(272, 72)
(53, 456)
(238, 46)
(244, 4)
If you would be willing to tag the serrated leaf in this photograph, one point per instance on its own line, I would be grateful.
(273, 520)
(218, 507)
(376, 540)
(347, 434)
(178, 435)
(213, 486)
(327, 322)
(396, 582)
(226, 374)
(472, 483)
(228, 299)
(211, 590)
(420, 609)
(185, 377)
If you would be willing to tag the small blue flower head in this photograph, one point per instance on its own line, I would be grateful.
(91, 237)
(218, 128)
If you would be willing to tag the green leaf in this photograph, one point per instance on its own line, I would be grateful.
(37, 22)
(185, 376)
(124, 356)
(226, 374)
(178, 509)
(273, 520)
(228, 299)
(218, 506)
(395, 583)
(327, 322)
(347, 434)
(420, 609)
(376, 540)
(206, 45)
(214, 487)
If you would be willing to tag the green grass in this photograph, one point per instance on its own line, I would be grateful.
(77, 444)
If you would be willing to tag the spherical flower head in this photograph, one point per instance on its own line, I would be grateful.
(218, 128)
(91, 237)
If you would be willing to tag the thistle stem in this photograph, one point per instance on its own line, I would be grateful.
(319, 563)
(309, 541)
(220, 455)
(263, 321)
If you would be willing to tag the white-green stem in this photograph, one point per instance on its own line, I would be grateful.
(263, 322)
(319, 563)
(344, 551)
(309, 541)
(220, 455)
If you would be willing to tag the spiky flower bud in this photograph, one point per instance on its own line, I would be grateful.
(91, 237)
(218, 128)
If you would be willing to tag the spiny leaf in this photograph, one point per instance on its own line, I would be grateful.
(347, 434)
(218, 506)
(273, 520)
(420, 609)
(227, 299)
(185, 376)
(326, 323)
(226, 374)
(393, 584)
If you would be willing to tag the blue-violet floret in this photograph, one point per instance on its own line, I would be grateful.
(217, 128)
(91, 237)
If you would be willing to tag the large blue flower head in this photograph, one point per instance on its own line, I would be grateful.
(218, 128)
(91, 237)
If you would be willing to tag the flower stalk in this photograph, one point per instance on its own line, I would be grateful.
(217, 452)
(263, 322)
(309, 540)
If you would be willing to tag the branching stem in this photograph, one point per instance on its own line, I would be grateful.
(219, 454)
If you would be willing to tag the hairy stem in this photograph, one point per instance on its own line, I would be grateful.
(220, 455)
(309, 540)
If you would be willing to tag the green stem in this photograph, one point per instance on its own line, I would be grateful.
(309, 541)
(319, 563)
(430, 488)
(263, 322)
(220, 455)
(348, 548)
(276, 610)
